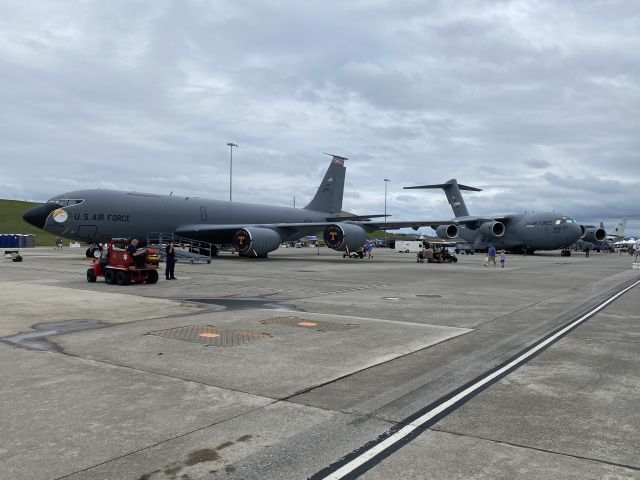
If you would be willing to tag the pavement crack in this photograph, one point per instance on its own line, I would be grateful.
(545, 300)
(175, 437)
(537, 449)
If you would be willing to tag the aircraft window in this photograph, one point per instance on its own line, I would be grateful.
(65, 202)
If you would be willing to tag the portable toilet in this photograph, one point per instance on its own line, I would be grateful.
(3, 240)
(15, 242)
(21, 240)
(30, 241)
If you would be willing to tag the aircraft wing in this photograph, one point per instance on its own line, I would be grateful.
(475, 221)
(224, 233)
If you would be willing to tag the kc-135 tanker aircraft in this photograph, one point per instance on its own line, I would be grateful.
(98, 215)
(254, 229)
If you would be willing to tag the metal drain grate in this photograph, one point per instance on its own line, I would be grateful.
(211, 336)
(310, 324)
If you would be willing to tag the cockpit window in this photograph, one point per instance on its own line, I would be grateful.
(563, 220)
(66, 202)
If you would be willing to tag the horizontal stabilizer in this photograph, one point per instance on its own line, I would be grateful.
(445, 185)
(452, 191)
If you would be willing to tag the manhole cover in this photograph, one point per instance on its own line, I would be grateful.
(310, 324)
(211, 336)
(425, 295)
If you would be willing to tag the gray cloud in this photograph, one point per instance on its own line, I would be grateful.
(534, 101)
(537, 163)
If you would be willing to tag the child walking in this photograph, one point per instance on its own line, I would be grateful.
(503, 257)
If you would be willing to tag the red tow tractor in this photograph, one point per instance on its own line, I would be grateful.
(119, 266)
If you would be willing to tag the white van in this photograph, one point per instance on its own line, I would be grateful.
(408, 246)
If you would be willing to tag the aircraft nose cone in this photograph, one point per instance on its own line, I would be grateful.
(37, 216)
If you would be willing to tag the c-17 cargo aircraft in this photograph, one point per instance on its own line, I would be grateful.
(596, 238)
(516, 232)
(254, 229)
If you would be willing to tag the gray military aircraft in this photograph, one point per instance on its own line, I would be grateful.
(254, 229)
(597, 239)
(515, 232)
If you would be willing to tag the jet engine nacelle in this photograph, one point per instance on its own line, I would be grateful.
(492, 229)
(593, 234)
(447, 231)
(344, 236)
(256, 241)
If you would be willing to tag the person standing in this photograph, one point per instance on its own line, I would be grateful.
(491, 253)
(586, 252)
(503, 258)
(171, 261)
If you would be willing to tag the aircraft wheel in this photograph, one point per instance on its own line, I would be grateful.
(152, 277)
(123, 278)
(91, 276)
(109, 276)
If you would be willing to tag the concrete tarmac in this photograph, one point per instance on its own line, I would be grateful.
(322, 355)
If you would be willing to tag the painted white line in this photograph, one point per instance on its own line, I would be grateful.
(408, 429)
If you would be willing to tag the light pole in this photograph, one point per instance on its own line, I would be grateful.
(386, 182)
(231, 145)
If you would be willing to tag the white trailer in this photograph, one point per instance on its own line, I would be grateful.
(408, 246)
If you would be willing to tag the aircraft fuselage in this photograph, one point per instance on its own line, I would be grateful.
(538, 231)
(103, 214)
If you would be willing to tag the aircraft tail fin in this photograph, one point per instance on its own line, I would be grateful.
(452, 191)
(328, 198)
(619, 231)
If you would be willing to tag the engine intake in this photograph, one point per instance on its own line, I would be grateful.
(492, 229)
(344, 236)
(256, 241)
(593, 234)
(447, 231)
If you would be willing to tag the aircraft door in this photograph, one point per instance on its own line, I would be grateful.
(203, 213)
(87, 232)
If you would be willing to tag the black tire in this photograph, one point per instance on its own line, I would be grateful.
(89, 252)
(91, 276)
(455, 260)
(152, 277)
(208, 262)
(109, 276)
(17, 259)
(123, 278)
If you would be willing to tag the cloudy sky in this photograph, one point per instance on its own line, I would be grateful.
(536, 102)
